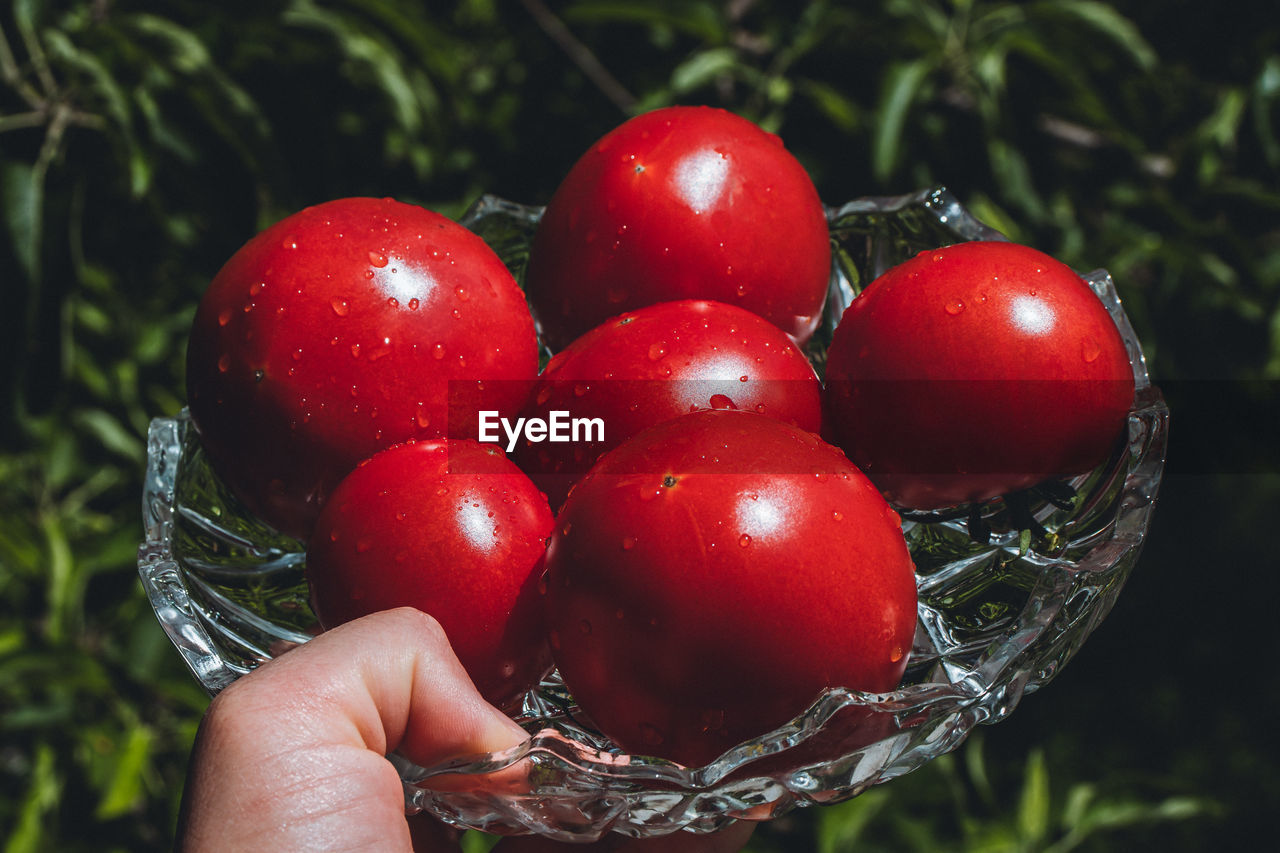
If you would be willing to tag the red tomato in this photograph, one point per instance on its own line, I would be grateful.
(657, 363)
(975, 370)
(337, 332)
(452, 528)
(678, 203)
(711, 576)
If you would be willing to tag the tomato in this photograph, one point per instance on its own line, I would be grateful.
(976, 370)
(452, 528)
(337, 332)
(711, 576)
(659, 362)
(679, 203)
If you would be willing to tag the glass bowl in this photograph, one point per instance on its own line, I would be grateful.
(999, 613)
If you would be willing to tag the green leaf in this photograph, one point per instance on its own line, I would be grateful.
(113, 435)
(840, 827)
(1106, 21)
(126, 784)
(902, 87)
(1265, 93)
(22, 197)
(1079, 798)
(373, 53)
(1033, 804)
(702, 68)
(840, 110)
(43, 792)
(700, 20)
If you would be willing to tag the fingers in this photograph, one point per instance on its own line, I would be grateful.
(291, 755)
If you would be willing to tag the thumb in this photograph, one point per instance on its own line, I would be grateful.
(292, 754)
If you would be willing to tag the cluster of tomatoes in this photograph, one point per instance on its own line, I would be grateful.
(675, 510)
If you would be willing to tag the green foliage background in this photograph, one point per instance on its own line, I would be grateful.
(142, 142)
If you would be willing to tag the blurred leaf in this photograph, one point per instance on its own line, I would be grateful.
(125, 787)
(703, 67)
(111, 433)
(841, 110)
(1266, 91)
(22, 195)
(1033, 804)
(698, 19)
(1106, 21)
(843, 825)
(43, 792)
(368, 52)
(902, 87)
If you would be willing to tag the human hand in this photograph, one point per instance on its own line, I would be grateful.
(292, 755)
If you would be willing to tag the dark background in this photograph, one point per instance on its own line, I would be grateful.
(142, 142)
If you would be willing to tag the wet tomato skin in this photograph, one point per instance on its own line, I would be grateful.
(659, 362)
(340, 330)
(454, 529)
(710, 576)
(975, 370)
(680, 203)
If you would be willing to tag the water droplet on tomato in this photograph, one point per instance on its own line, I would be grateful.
(378, 259)
(340, 306)
(224, 363)
(437, 351)
(744, 540)
(954, 307)
(837, 515)
(657, 350)
(543, 395)
(355, 350)
(720, 401)
(580, 390)
(421, 417)
(461, 293)
(1090, 349)
(413, 304)
(224, 317)
(363, 545)
(628, 543)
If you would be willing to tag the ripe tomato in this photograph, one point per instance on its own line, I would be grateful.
(452, 528)
(712, 575)
(337, 332)
(975, 370)
(678, 203)
(657, 363)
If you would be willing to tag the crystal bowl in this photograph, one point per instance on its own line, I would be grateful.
(999, 613)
